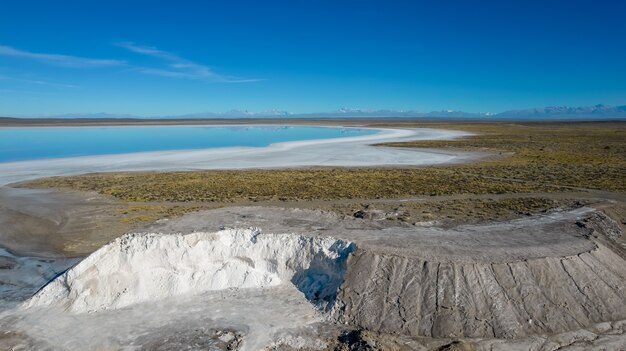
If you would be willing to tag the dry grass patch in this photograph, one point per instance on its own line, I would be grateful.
(263, 185)
(143, 213)
(460, 211)
(582, 155)
(545, 158)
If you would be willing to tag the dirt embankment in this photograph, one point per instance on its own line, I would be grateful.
(406, 294)
(556, 278)
(541, 275)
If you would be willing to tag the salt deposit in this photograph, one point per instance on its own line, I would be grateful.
(355, 151)
(147, 267)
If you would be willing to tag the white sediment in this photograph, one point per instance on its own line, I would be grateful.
(350, 151)
(147, 267)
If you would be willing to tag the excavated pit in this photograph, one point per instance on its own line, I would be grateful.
(543, 274)
(558, 274)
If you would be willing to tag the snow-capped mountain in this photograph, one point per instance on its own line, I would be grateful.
(566, 111)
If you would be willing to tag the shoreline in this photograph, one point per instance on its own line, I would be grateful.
(354, 121)
(355, 152)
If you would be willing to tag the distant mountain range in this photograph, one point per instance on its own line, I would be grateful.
(549, 113)
(342, 113)
(565, 111)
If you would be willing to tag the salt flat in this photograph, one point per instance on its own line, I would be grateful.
(351, 151)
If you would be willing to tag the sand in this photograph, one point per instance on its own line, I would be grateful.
(53, 223)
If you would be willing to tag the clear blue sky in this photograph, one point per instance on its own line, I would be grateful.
(177, 57)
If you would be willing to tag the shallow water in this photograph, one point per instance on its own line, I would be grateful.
(32, 143)
(349, 151)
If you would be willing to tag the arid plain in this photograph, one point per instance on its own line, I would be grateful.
(521, 247)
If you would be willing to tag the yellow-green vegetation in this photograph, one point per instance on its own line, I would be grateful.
(536, 158)
(261, 185)
(465, 210)
(146, 213)
(585, 155)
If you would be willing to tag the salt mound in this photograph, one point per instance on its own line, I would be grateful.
(143, 267)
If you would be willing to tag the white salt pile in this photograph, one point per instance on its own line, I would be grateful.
(145, 267)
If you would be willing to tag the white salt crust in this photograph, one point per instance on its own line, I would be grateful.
(145, 267)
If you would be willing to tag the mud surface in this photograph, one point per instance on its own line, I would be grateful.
(53, 223)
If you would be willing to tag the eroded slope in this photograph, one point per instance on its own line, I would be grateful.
(408, 295)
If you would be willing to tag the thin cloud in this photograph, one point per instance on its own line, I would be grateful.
(178, 67)
(59, 60)
(175, 66)
(37, 82)
(11, 91)
(150, 51)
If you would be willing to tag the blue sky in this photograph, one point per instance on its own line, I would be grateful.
(156, 58)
